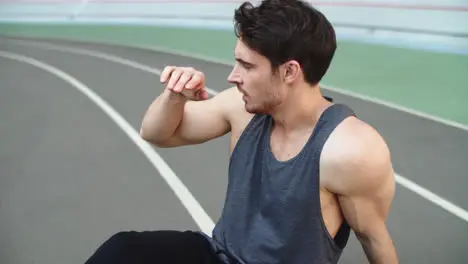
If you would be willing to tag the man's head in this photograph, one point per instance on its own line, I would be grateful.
(282, 45)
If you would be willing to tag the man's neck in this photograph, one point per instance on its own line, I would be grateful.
(301, 110)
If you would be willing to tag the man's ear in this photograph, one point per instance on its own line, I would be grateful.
(291, 71)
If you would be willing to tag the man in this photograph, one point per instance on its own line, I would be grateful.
(303, 172)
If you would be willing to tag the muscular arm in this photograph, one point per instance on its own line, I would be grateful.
(179, 117)
(357, 168)
(171, 122)
(365, 208)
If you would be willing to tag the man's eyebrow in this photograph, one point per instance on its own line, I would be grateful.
(244, 62)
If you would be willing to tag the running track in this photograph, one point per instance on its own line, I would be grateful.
(72, 174)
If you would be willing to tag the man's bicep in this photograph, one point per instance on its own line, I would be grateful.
(366, 214)
(361, 175)
(367, 195)
(204, 120)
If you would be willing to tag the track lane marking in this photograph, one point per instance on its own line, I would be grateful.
(199, 215)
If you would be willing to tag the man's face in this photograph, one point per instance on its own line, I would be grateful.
(252, 74)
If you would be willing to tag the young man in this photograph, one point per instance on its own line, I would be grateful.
(304, 171)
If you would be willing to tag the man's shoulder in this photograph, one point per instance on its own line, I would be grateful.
(229, 100)
(355, 138)
(355, 153)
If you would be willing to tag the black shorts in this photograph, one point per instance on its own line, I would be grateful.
(164, 246)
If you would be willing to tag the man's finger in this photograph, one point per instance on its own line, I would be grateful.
(195, 81)
(174, 78)
(184, 78)
(166, 73)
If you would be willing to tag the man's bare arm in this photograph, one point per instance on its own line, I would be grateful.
(181, 116)
(366, 213)
(358, 170)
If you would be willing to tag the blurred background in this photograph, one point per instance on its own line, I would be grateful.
(402, 65)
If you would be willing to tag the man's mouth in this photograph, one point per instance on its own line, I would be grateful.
(241, 91)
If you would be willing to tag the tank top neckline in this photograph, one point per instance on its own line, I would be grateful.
(309, 141)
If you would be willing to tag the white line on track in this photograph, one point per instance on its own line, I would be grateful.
(410, 185)
(96, 54)
(198, 214)
(397, 107)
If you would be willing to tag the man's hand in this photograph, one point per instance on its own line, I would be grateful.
(186, 81)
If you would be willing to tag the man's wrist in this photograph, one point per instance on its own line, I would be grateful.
(175, 97)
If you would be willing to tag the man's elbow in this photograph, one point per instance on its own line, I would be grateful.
(160, 142)
(150, 138)
(145, 135)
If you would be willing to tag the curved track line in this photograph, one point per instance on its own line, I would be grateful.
(198, 214)
(410, 185)
(96, 54)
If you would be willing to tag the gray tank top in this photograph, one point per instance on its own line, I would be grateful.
(272, 209)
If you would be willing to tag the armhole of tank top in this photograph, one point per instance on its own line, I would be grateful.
(242, 136)
(336, 245)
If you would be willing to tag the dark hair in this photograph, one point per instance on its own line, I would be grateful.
(283, 30)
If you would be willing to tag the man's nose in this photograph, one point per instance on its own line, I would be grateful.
(233, 77)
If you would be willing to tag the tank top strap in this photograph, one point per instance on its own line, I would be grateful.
(328, 121)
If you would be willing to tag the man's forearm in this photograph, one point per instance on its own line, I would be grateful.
(379, 250)
(163, 117)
